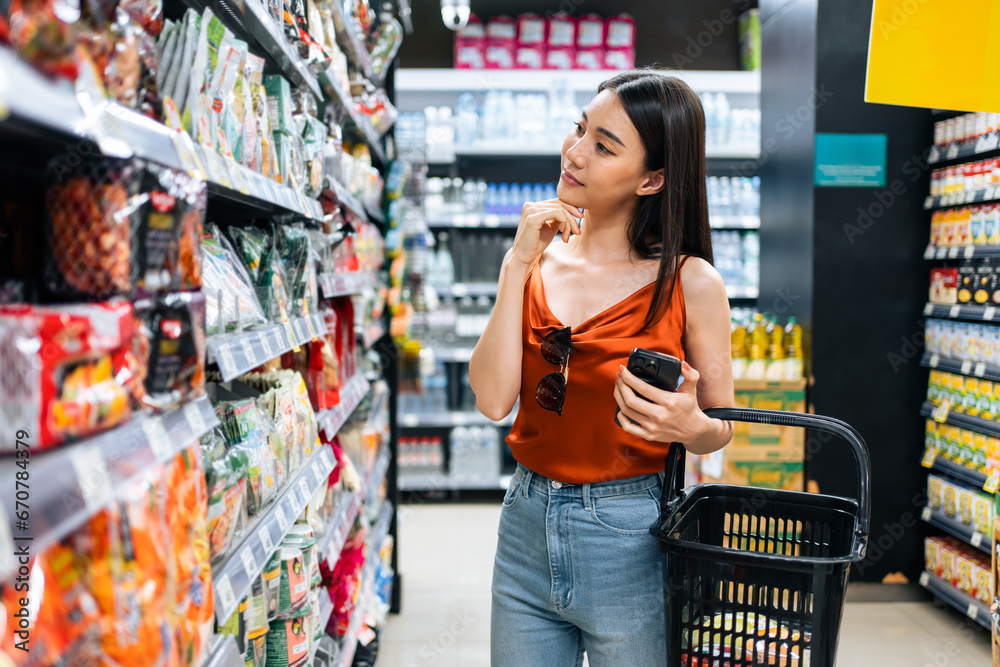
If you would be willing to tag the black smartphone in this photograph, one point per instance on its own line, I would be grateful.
(660, 370)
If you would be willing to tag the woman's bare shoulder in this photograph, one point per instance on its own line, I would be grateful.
(702, 284)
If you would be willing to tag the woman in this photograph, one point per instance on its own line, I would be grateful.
(576, 568)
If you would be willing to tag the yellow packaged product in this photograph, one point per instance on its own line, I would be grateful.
(935, 492)
(970, 394)
(946, 564)
(964, 578)
(932, 551)
(950, 500)
(964, 505)
(967, 450)
(982, 582)
(984, 399)
(981, 506)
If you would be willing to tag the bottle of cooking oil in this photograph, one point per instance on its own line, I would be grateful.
(757, 332)
(793, 350)
(738, 343)
(775, 370)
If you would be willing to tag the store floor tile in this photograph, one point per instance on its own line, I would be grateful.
(446, 559)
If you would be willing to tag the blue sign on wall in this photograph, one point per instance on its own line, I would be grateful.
(850, 160)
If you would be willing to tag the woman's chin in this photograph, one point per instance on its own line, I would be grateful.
(570, 194)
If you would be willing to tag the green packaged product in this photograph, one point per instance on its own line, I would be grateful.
(271, 579)
(310, 555)
(249, 243)
(256, 616)
(236, 626)
(279, 103)
(288, 642)
(225, 478)
(294, 246)
(293, 586)
(316, 618)
(241, 425)
(256, 653)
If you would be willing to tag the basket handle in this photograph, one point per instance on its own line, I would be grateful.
(673, 483)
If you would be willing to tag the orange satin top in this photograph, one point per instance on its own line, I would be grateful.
(584, 445)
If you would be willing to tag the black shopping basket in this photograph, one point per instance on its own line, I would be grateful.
(758, 576)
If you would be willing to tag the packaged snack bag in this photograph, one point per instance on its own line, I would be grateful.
(470, 45)
(169, 346)
(225, 478)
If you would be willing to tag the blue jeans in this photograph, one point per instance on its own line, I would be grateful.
(577, 570)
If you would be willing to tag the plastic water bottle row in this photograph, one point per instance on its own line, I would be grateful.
(737, 196)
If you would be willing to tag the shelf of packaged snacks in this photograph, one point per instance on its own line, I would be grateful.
(977, 369)
(75, 481)
(960, 472)
(974, 609)
(519, 150)
(373, 332)
(234, 575)
(961, 252)
(345, 197)
(379, 531)
(991, 193)
(351, 393)
(960, 312)
(437, 481)
(353, 43)
(956, 151)
(742, 291)
(121, 132)
(224, 653)
(963, 532)
(241, 352)
(332, 542)
(251, 22)
(450, 419)
(345, 284)
(373, 137)
(471, 80)
(976, 424)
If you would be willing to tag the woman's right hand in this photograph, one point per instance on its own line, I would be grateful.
(539, 224)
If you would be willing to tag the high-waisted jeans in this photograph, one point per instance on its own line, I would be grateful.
(577, 570)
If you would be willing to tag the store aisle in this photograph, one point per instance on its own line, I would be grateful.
(447, 557)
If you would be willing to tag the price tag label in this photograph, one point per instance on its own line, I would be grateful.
(970, 196)
(224, 591)
(952, 152)
(264, 535)
(227, 364)
(955, 311)
(970, 251)
(279, 514)
(158, 438)
(265, 342)
(966, 367)
(926, 514)
(92, 476)
(410, 420)
(941, 416)
(304, 488)
(929, 252)
(941, 253)
(993, 481)
(979, 370)
(928, 202)
(953, 252)
(301, 332)
(935, 360)
(248, 352)
(989, 312)
(928, 309)
(249, 563)
(194, 418)
(296, 505)
(924, 579)
(991, 142)
(972, 611)
(977, 539)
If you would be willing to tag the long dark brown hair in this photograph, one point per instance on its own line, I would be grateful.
(671, 121)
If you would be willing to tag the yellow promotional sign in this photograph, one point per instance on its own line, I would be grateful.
(934, 53)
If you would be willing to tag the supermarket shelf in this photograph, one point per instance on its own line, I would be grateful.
(52, 105)
(70, 484)
(325, 612)
(987, 426)
(742, 292)
(417, 80)
(983, 145)
(345, 284)
(965, 197)
(372, 136)
(381, 529)
(350, 41)
(974, 609)
(960, 472)
(224, 653)
(233, 576)
(451, 419)
(734, 221)
(960, 312)
(239, 353)
(428, 481)
(468, 289)
(963, 252)
(978, 369)
(377, 473)
(332, 543)
(519, 150)
(373, 332)
(349, 201)
(350, 397)
(960, 530)
(250, 21)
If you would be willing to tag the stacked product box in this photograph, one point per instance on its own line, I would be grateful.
(964, 505)
(995, 598)
(762, 455)
(959, 565)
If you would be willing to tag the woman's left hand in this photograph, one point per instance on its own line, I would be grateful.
(670, 417)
